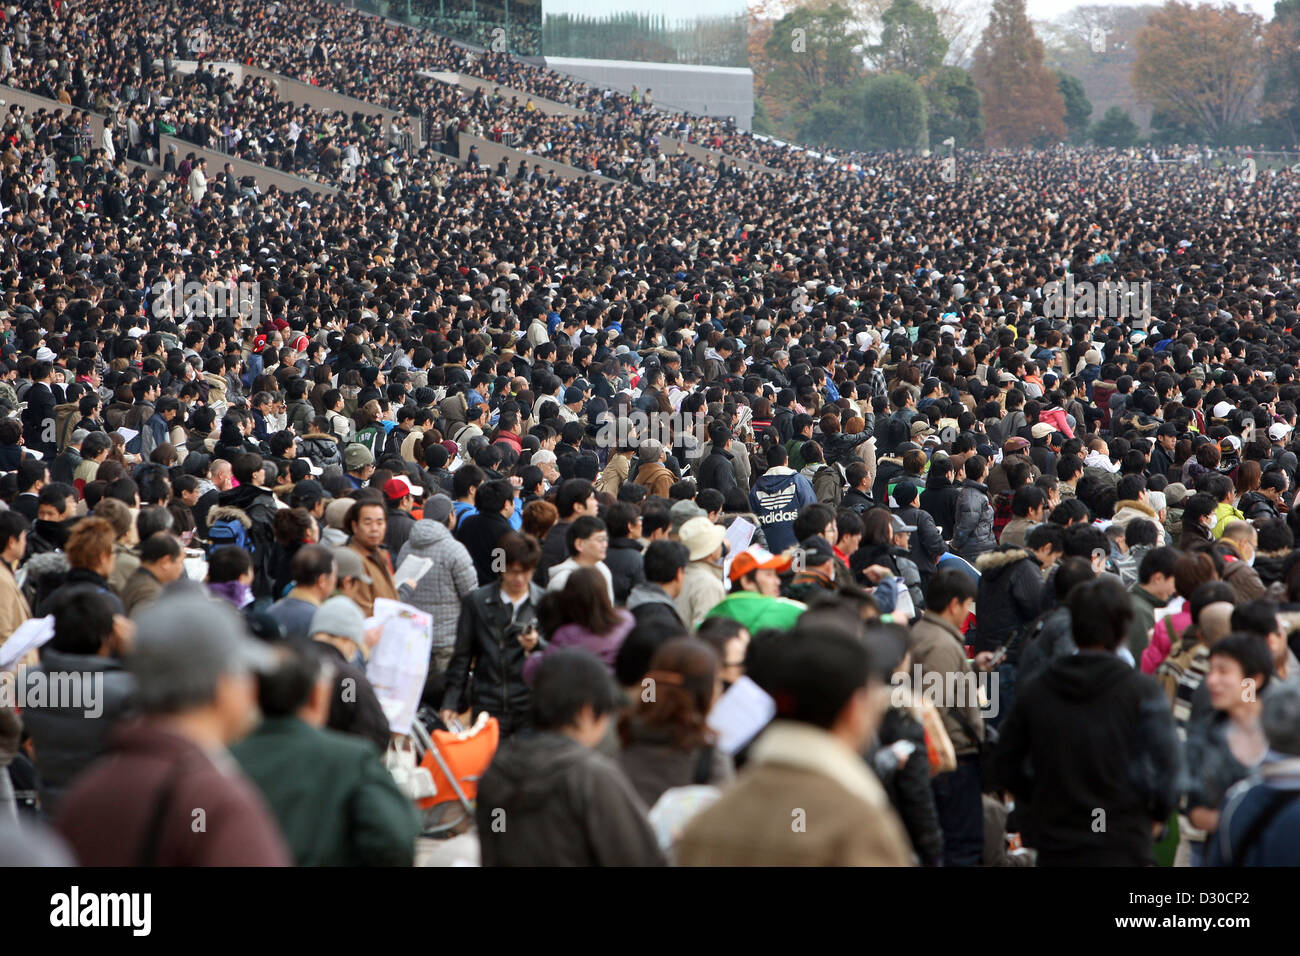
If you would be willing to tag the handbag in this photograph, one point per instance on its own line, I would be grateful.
(415, 781)
(987, 748)
(939, 750)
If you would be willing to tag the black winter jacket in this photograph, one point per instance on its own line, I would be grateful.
(1010, 595)
(1092, 734)
(494, 657)
(68, 739)
(624, 560)
(939, 500)
(909, 786)
(717, 471)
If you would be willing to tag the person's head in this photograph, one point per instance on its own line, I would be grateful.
(56, 502)
(299, 684)
(161, 553)
(90, 546)
(1028, 501)
(1240, 668)
(32, 475)
(339, 623)
(1260, 618)
(821, 676)
(951, 595)
(13, 536)
(230, 564)
(196, 665)
(587, 540)
(83, 622)
(1244, 539)
(584, 600)
(1279, 718)
(665, 563)
(1046, 542)
(494, 497)
(576, 497)
(1100, 611)
(313, 568)
(573, 694)
(1156, 572)
(677, 693)
(730, 641)
(520, 555)
(366, 523)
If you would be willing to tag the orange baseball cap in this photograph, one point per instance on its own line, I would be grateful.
(755, 558)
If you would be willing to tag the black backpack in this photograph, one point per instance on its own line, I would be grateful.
(897, 431)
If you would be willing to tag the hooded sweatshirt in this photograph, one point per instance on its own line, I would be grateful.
(1091, 733)
(776, 500)
(567, 806)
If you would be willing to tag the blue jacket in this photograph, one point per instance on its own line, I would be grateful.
(1278, 844)
(775, 501)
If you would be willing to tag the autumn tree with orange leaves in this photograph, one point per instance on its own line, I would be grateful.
(1022, 104)
(1199, 65)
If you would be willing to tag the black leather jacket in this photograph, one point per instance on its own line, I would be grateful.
(486, 646)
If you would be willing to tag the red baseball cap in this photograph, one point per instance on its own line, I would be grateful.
(398, 487)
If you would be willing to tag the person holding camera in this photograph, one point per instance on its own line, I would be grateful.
(496, 632)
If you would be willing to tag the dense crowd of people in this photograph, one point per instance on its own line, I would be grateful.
(1013, 585)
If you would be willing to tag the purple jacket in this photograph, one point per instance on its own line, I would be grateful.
(604, 646)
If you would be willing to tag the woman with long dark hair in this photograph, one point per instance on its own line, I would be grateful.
(582, 615)
(666, 742)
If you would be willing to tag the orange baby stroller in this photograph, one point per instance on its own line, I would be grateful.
(456, 762)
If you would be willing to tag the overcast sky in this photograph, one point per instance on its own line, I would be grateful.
(1051, 9)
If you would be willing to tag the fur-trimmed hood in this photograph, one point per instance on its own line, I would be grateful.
(1130, 505)
(226, 513)
(1001, 558)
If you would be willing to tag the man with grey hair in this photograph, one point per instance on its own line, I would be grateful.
(64, 466)
(168, 794)
(1260, 821)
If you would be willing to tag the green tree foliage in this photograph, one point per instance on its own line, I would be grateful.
(910, 40)
(1078, 108)
(953, 106)
(1116, 128)
(880, 112)
(813, 57)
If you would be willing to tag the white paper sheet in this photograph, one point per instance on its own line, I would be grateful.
(400, 661)
(412, 569)
(739, 534)
(740, 714)
(32, 633)
(127, 434)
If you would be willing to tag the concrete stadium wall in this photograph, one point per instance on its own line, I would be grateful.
(264, 176)
(720, 91)
(673, 146)
(296, 91)
(548, 107)
(490, 153)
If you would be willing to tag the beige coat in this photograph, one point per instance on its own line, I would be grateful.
(702, 591)
(656, 477)
(938, 647)
(615, 473)
(13, 606)
(805, 799)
